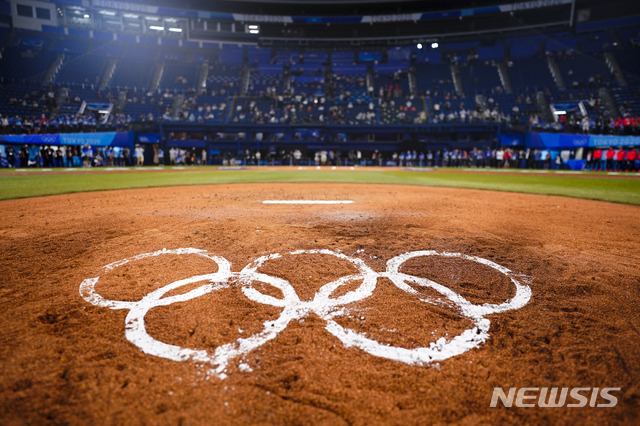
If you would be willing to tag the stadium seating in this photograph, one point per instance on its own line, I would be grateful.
(581, 70)
(21, 63)
(479, 77)
(530, 74)
(249, 83)
(434, 77)
(179, 76)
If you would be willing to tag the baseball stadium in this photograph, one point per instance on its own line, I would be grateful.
(277, 212)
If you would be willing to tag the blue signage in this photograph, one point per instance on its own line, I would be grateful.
(571, 141)
(556, 140)
(610, 140)
(93, 139)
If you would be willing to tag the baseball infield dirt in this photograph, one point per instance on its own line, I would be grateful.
(290, 314)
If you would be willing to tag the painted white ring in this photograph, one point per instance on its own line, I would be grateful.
(521, 298)
(322, 301)
(136, 333)
(322, 305)
(88, 287)
(442, 349)
(437, 351)
(135, 329)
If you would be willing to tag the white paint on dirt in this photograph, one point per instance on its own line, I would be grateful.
(323, 305)
(307, 202)
(441, 349)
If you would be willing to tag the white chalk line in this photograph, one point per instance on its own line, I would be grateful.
(322, 305)
(307, 202)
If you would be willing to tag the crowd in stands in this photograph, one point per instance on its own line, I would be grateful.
(68, 123)
(317, 110)
(306, 108)
(341, 99)
(392, 106)
(320, 87)
(602, 125)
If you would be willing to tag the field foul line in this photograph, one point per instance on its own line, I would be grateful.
(307, 202)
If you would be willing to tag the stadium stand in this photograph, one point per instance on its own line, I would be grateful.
(519, 82)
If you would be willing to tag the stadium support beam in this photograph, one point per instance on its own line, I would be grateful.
(573, 12)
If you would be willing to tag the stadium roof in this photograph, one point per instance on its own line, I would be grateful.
(330, 7)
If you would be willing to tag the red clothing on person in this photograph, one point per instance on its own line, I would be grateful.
(597, 154)
(632, 155)
(620, 154)
(610, 154)
(617, 123)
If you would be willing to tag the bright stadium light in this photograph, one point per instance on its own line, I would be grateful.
(434, 45)
(107, 12)
(86, 16)
(254, 31)
(174, 30)
(156, 27)
(419, 46)
(253, 27)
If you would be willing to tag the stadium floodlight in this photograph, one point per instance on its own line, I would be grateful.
(434, 45)
(253, 27)
(156, 27)
(130, 16)
(254, 31)
(174, 30)
(86, 16)
(107, 12)
(419, 46)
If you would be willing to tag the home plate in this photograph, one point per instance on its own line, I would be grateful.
(307, 202)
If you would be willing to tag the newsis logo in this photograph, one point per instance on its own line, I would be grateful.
(555, 397)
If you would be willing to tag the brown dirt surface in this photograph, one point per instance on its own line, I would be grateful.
(65, 361)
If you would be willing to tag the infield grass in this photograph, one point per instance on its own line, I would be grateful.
(614, 189)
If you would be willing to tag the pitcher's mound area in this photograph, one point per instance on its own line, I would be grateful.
(330, 304)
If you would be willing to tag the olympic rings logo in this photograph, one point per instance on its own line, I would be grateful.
(323, 305)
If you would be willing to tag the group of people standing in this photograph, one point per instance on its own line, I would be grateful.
(71, 156)
(613, 160)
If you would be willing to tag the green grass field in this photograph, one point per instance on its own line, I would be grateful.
(613, 189)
